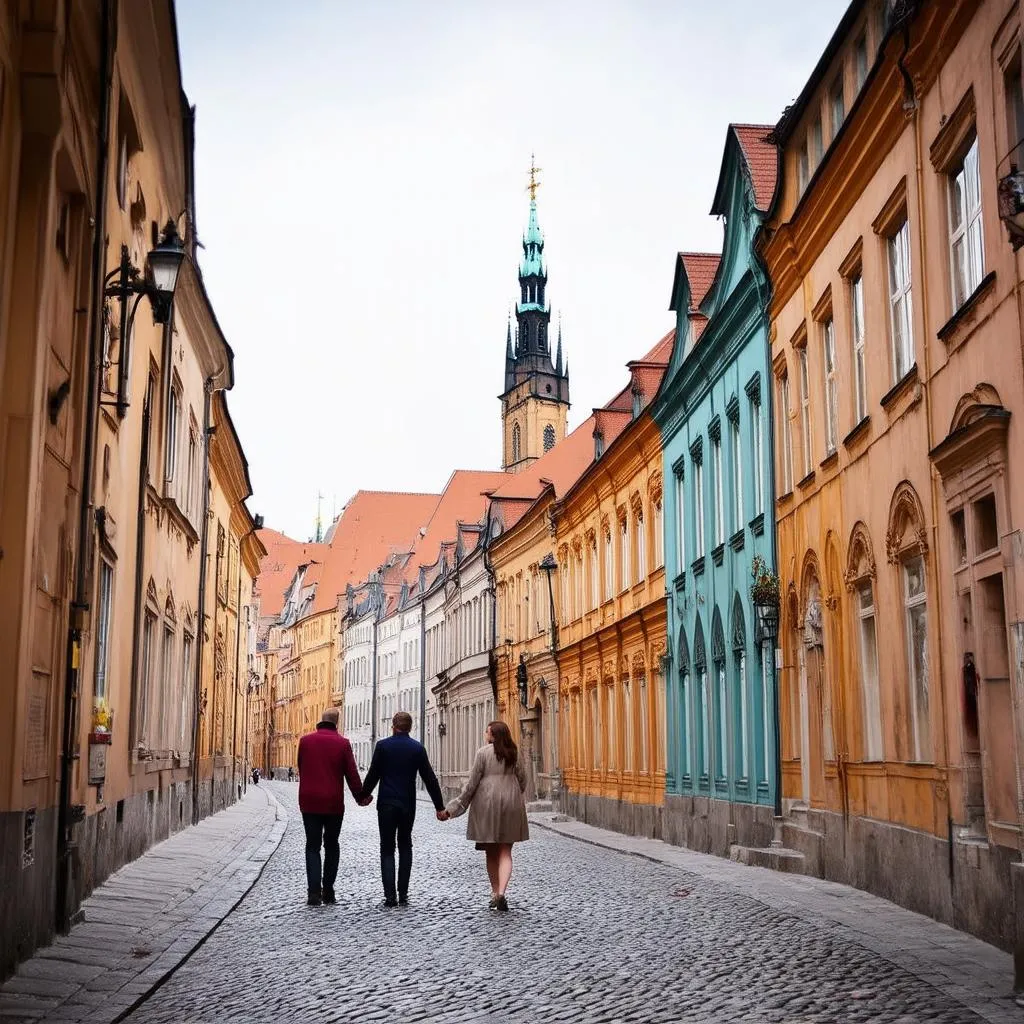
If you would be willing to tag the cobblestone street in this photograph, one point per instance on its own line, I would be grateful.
(593, 936)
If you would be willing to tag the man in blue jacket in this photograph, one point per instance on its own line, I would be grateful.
(395, 764)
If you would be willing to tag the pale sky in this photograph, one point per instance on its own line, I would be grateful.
(361, 173)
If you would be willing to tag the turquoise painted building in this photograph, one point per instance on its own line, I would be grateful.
(714, 414)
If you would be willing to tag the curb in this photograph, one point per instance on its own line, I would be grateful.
(262, 854)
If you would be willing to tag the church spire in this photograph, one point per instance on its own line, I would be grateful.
(535, 401)
(558, 357)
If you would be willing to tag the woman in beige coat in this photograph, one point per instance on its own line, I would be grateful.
(493, 794)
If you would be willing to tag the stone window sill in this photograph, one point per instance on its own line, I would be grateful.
(900, 387)
(737, 540)
(857, 432)
(806, 481)
(757, 525)
(948, 331)
(718, 554)
(697, 566)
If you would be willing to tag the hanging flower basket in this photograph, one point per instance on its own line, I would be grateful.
(766, 594)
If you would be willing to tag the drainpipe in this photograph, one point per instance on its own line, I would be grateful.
(238, 649)
(373, 678)
(204, 545)
(80, 605)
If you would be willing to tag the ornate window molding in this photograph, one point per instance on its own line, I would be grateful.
(860, 558)
(907, 534)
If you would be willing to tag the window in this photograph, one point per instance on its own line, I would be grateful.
(900, 304)
(122, 171)
(815, 144)
(966, 247)
(741, 701)
(804, 171)
(869, 673)
(786, 429)
(805, 410)
(860, 61)
(595, 730)
(680, 522)
(916, 612)
(716, 457)
(624, 552)
(145, 681)
(641, 547)
(187, 684)
(837, 106)
(516, 442)
(171, 439)
(595, 598)
(659, 534)
(104, 599)
(166, 666)
(860, 385)
(638, 402)
(737, 475)
(755, 427)
(698, 509)
(609, 565)
(831, 393)
(549, 438)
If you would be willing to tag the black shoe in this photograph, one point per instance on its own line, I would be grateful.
(493, 904)
(403, 900)
(314, 899)
(329, 896)
(501, 904)
(388, 903)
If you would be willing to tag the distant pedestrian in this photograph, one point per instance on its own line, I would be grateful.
(493, 794)
(255, 776)
(291, 772)
(325, 765)
(395, 764)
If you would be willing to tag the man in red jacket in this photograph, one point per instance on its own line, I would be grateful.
(325, 765)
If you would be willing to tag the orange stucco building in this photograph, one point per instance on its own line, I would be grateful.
(898, 389)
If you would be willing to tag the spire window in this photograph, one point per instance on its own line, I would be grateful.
(516, 442)
(549, 437)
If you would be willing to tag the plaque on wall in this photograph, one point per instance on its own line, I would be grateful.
(35, 762)
(98, 763)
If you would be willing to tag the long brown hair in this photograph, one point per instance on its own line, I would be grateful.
(505, 749)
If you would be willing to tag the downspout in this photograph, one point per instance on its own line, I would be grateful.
(238, 649)
(373, 677)
(80, 606)
(768, 653)
(204, 545)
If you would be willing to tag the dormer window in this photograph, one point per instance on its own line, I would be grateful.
(598, 444)
(638, 402)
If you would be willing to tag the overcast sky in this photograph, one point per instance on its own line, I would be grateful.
(361, 172)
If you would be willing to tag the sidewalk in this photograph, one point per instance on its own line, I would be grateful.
(974, 973)
(148, 918)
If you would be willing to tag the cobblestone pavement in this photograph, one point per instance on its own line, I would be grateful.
(593, 936)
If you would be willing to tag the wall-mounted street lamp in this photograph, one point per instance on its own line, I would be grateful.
(521, 681)
(549, 565)
(158, 283)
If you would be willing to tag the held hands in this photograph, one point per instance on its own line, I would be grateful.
(443, 815)
(365, 801)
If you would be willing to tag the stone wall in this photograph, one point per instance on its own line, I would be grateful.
(617, 815)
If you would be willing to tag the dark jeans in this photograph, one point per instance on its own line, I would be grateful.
(395, 822)
(322, 830)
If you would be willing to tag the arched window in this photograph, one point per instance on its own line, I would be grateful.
(721, 735)
(703, 711)
(683, 714)
(739, 647)
(516, 442)
(549, 438)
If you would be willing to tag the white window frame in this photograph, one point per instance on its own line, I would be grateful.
(659, 533)
(828, 352)
(805, 410)
(716, 459)
(966, 236)
(869, 685)
(758, 449)
(698, 508)
(860, 370)
(737, 475)
(641, 547)
(104, 603)
(786, 414)
(609, 566)
(919, 728)
(171, 440)
(681, 522)
(624, 559)
(901, 308)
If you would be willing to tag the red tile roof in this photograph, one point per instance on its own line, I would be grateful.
(462, 500)
(762, 160)
(278, 566)
(372, 526)
(700, 268)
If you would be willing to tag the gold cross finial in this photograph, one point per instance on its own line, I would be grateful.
(534, 183)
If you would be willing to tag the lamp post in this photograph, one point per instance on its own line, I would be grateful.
(158, 283)
(521, 681)
(549, 565)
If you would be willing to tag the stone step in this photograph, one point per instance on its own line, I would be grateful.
(778, 858)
